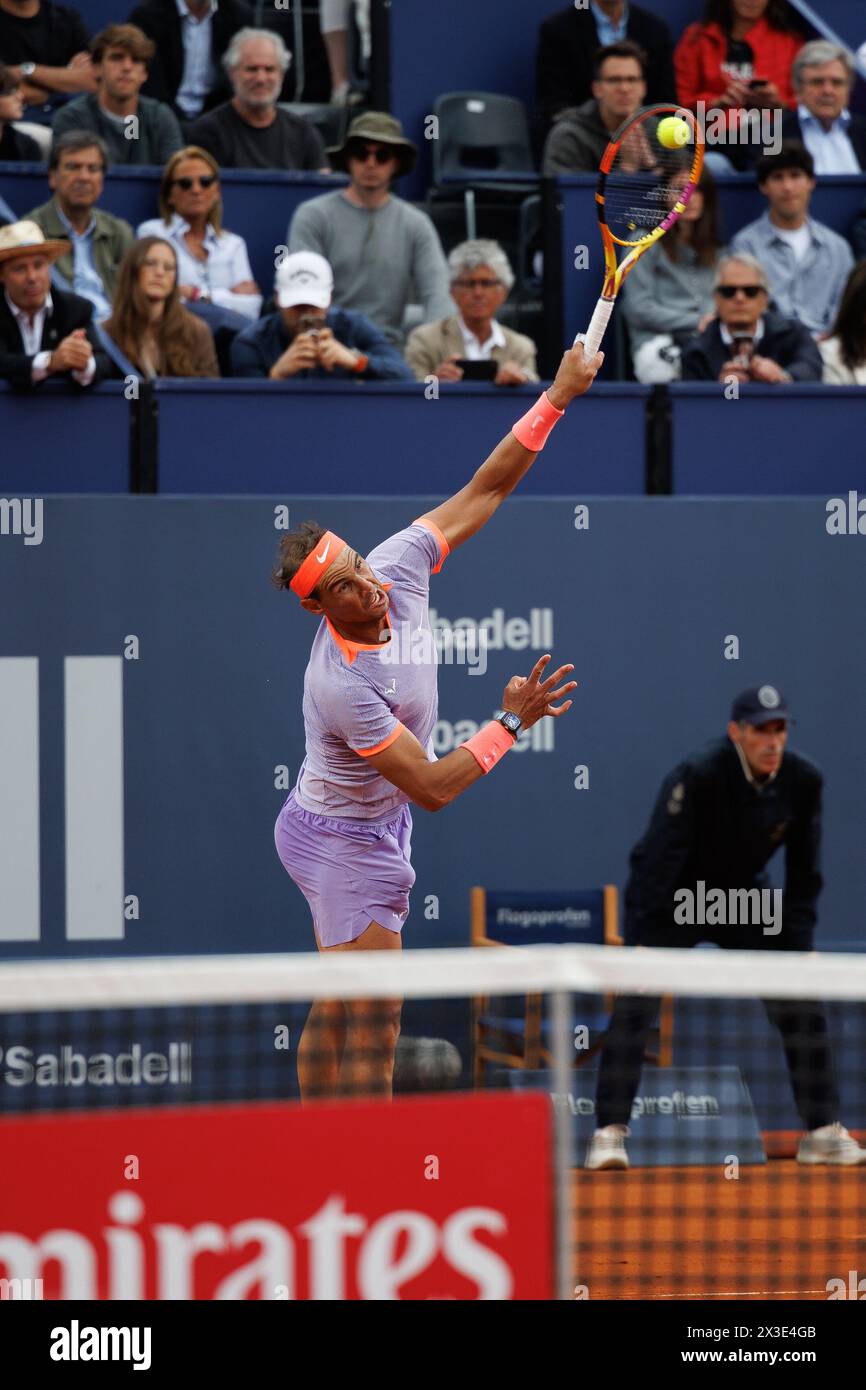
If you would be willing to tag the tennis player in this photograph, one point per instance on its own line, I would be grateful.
(719, 818)
(344, 832)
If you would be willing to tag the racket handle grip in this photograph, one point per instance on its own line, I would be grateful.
(591, 339)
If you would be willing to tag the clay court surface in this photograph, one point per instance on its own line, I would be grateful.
(779, 1231)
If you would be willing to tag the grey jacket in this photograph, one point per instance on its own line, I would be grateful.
(577, 142)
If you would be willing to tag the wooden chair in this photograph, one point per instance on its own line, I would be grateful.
(518, 1036)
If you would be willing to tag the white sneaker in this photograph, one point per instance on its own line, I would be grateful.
(830, 1144)
(607, 1148)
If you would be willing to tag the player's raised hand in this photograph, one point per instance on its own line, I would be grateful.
(576, 374)
(532, 698)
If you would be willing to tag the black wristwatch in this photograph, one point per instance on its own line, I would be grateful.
(512, 722)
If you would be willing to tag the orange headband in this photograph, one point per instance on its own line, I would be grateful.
(320, 559)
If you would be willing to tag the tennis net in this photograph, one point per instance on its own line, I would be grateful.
(172, 1089)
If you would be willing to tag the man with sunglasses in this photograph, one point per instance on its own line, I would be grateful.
(385, 254)
(746, 341)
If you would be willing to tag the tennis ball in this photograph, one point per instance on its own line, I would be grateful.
(673, 132)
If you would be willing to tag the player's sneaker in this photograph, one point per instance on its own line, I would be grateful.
(607, 1148)
(830, 1144)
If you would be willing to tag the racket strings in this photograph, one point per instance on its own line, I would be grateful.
(637, 200)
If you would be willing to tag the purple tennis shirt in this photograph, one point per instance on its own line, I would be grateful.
(358, 699)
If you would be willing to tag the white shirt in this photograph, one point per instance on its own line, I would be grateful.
(831, 149)
(31, 338)
(198, 66)
(227, 263)
(481, 352)
(799, 239)
(835, 371)
(728, 338)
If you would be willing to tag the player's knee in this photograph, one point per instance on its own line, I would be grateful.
(383, 1015)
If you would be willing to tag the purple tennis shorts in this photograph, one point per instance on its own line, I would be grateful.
(351, 873)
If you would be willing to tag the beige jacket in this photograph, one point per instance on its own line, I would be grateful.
(433, 342)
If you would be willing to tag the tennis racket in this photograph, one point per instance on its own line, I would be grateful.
(643, 188)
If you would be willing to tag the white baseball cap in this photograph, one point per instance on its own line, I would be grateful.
(305, 277)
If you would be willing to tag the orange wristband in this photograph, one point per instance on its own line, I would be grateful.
(532, 430)
(489, 745)
(361, 364)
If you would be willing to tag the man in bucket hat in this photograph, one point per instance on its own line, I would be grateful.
(44, 332)
(384, 253)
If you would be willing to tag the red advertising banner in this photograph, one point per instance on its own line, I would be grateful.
(446, 1198)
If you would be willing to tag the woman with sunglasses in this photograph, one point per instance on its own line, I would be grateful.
(150, 326)
(213, 265)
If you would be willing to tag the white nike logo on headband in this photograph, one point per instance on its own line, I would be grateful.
(324, 555)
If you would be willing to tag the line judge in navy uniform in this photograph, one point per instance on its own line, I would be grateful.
(44, 332)
(719, 818)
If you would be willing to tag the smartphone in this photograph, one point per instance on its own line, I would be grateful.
(756, 83)
(478, 371)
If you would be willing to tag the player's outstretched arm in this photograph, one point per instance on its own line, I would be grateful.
(467, 511)
(434, 785)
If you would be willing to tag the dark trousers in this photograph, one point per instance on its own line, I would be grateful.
(802, 1024)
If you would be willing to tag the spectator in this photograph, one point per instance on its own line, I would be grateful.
(191, 37)
(308, 338)
(379, 247)
(149, 324)
(844, 353)
(334, 25)
(213, 265)
(739, 57)
(251, 131)
(823, 76)
(14, 144)
(76, 176)
(668, 296)
(135, 129)
(581, 135)
(728, 346)
(47, 46)
(480, 282)
(567, 44)
(858, 234)
(806, 262)
(44, 332)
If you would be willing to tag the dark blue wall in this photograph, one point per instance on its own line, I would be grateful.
(258, 205)
(642, 603)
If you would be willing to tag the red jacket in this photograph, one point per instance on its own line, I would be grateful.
(703, 48)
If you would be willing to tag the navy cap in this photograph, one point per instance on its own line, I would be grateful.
(758, 705)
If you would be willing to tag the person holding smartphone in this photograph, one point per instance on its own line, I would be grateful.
(472, 345)
(738, 56)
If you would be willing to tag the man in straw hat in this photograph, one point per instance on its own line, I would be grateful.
(383, 251)
(44, 332)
